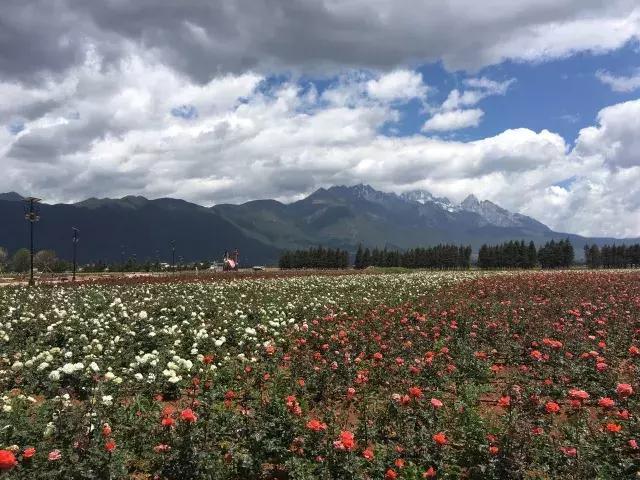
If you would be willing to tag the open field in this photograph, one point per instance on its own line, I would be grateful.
(185, 276)
(406, 375)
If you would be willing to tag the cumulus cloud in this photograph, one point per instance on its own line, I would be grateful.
(113, 130)
(453, 114)
(453, 120)
(397, 85)
(615, 139)
(204, 39)
(113, 98)
(620, 83)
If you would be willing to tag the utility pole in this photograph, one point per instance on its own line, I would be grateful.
(32, 217)
(75, 247)
(173, 255)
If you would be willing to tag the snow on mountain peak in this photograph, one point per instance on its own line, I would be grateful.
(423, 197)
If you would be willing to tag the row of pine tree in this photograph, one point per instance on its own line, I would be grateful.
(514, 254)
(315, 258)
(612, 256)
(508, 255)
(440, 256)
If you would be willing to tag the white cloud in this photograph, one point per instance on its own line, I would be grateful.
(452, 115)
(397, 85)
(453, 120)
(205, 39)
(488, 86)
(620, 84)
(615, 140)
(480, 89)
(542, 41)
(108, 131)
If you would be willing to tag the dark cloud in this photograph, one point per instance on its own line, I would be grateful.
(156, 97)
(205, 38)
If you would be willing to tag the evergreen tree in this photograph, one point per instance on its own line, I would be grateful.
(532, 255)
(20, 261)
(358, 261)
(366, 258)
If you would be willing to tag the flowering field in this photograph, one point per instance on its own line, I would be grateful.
(409, 376)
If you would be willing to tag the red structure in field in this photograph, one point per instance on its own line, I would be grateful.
(230, 263)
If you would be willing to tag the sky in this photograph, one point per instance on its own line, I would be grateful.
(532, 104)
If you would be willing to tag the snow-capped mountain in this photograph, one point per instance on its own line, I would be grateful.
(496, 215)
(423, 197)
(340, 216)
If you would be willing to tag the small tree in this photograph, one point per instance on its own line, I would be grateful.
(358, 260)
(45, 260)
(20, 261)
(4, 255)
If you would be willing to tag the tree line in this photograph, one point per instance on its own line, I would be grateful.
(439, 256)
(612, 256)
(43, 260)
(514, 254)
(511, 254)
(319, 257)
(48, 261)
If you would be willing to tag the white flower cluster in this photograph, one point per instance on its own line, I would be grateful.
(147, 334)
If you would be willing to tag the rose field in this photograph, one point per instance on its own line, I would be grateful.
(386, 376)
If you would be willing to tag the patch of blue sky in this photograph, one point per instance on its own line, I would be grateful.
(15, 127)
(186, 112)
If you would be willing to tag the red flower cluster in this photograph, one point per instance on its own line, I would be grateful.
(346, 441)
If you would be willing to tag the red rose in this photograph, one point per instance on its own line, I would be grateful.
(28, 453)
(624, 390)
(552, 407)
(188, 416)
(431, 473)
(168, 422)
(613, 427)
(577, 394)
(415, 392)
(346, 441)
(440, 438)
(606, 402)
(7, 460)
(316, 425)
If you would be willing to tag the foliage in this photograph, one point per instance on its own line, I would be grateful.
(4, 255)
(20, 261)
(556, 254)
(612, 256)
(314, 258)
(422, 375)
(510, 254)
(439, 256)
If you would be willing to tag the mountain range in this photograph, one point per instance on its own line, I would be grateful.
(340, 216)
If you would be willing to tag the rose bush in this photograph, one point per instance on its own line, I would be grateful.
(422, 375)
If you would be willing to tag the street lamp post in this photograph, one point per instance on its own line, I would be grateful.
(75, 247)
(32, 217)
(173, 255)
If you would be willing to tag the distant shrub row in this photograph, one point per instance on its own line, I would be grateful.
(519, 255)
(612, 256)
(440, 256)
(314, 258)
